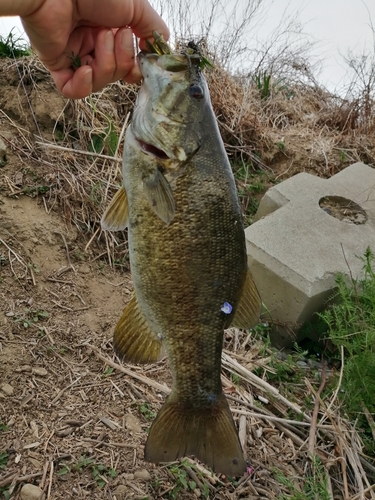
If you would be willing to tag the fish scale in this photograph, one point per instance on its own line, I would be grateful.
(188, 258)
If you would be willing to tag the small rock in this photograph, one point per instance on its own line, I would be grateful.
(302, 364)
(7, 389)
(23, 368)
(38, 370)
(132, 423)
(84, 269)
(37, 465)
(142, 474)
(120, 492)
(32, 492)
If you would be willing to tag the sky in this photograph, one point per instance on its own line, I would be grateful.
(336, 26)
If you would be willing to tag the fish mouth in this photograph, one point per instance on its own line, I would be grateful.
(152, 150)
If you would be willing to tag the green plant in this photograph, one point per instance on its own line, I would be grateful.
(147, 411)
(350, 322)
(76, 60)
(98, 470)
(12, 46)
(183, 481)
(108, 371)
(3, 460)
(79, 255)
(107, 139)
(3, 260)
(30, 317)
(3, 427)
(263, 83)
(314, 484)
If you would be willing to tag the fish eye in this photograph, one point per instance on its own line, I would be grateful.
(196, 91)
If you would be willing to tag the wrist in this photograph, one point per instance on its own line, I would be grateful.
(19, 7)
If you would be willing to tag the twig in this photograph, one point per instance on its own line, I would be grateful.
(14, 479)
(50, 481)
(370, 420)
(339, 383)
(359, 495)
(78, 151)
(45, 470)
(247, 375)
(16, 256)
(111, 445)
(91, 239)
(312, 434)
(271, 418)
(66, 249)
(242, 431)
(63, 390)
(141, 378)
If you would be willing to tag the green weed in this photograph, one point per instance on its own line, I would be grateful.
(108, 371)
(263, 83)
(76, 60)
(35, 190)
(3, 260)
(3, 460)
(30, 317)
(147, 411)
(107, 140)
(183, 483)
(266, 86)
(4, 490)
(13, 46)
(350, 323)
(314, 484)
(250, 185)
(98, 471)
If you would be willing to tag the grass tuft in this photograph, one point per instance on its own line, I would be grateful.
(13, 46)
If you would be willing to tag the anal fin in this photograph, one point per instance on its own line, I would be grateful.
(116, 216)
(209, 434)
(133, 339)
(249, 307)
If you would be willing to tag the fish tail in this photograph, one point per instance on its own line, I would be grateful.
(209, 434)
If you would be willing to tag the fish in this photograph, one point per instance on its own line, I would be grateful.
(187, 257)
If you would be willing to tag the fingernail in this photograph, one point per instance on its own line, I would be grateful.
(126, 40)
(109, 41)
(87, 77)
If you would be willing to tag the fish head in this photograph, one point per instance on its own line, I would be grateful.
(167, 119)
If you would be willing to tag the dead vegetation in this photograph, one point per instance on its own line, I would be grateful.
(77, 419)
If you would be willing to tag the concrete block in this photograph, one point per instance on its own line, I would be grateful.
(307, 230)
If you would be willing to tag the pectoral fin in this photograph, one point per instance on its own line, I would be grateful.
(133, 339)
(116, 216)
(250, 305)
(159, 195)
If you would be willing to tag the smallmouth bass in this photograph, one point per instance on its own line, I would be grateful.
(187, 257)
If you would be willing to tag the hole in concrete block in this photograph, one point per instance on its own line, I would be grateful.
(343, 209)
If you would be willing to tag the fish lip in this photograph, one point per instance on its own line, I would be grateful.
(152, 150)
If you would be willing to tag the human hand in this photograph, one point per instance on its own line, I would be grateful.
(61, 31)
